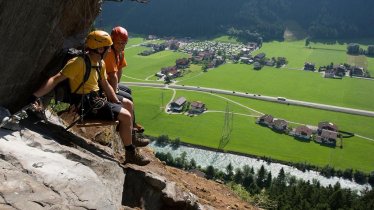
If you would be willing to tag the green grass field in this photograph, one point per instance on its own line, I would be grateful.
(293, 84)
(250, 138)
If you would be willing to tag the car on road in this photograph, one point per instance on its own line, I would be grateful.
(281, 99)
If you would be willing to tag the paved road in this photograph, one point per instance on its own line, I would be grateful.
(259, 97)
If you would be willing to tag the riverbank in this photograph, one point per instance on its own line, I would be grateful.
(220, 160)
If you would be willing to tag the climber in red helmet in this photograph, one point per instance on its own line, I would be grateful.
(115, 61)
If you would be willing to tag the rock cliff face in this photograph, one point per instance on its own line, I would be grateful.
(45, 167)
(32, 31)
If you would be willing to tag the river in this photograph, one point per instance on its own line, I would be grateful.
(220, 160)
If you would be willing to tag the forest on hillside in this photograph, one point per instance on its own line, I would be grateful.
(246, 19)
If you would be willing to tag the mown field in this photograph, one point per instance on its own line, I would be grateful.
(293, 84)
(250, 138)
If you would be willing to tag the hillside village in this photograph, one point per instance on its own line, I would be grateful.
(211, 54)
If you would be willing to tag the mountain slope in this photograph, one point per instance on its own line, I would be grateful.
(320, 18)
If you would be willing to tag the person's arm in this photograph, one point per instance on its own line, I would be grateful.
(119, 75)
(113, 80)
(109, 92)
(49, 85)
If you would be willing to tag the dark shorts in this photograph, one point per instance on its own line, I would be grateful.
(124, 88)
(122, 94)
(107, 110)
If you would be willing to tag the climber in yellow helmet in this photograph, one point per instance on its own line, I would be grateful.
(98, 44)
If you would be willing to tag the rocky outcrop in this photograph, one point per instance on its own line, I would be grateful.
(32, 31)
(45, 167)
(39, 173)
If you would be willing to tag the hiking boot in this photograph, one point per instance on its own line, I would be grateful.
(138, 128)
(134, 157)
(139, 142)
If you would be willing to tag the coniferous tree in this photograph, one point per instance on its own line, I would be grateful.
(192, 164)
(229, 172)
(261, 177)
(210, 172)
(238, 177)
(268, 180)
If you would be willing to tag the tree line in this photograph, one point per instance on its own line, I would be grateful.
(246, 19)
(262, 189)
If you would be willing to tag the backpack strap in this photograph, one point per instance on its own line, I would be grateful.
(98, 70)
(87, 71)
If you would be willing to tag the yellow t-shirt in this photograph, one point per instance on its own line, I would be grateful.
(74, 70)
(111, 64)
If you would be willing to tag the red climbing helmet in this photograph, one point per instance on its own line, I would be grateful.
(119, 34)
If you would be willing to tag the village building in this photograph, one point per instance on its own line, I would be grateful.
(207, 55)
(178, 105)
(173, 44)
(257, 66)
(174, 73)
(168, 69)
(357, 71)
(327, 126)
(260, 57)
(270, 62)
(340, 70)
(279, 125)
(252, 46)
(159, 47)
(217, 61)
(244, 59)
(159, 74)
(182, 63)
(197, 58)
(330, 73)
(303, 132)
(281, 61)
(235, 58)
(265, 120)
(327, 137)
(245, 51)
(309, 66)
(197, 107)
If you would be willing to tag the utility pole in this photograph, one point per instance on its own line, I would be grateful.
(227, 128)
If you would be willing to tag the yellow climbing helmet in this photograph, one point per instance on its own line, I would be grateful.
(97, 39)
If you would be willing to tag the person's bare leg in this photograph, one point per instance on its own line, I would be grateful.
(128, 105)
(125, 127)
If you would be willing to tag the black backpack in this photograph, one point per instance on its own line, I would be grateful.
(62, 91)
